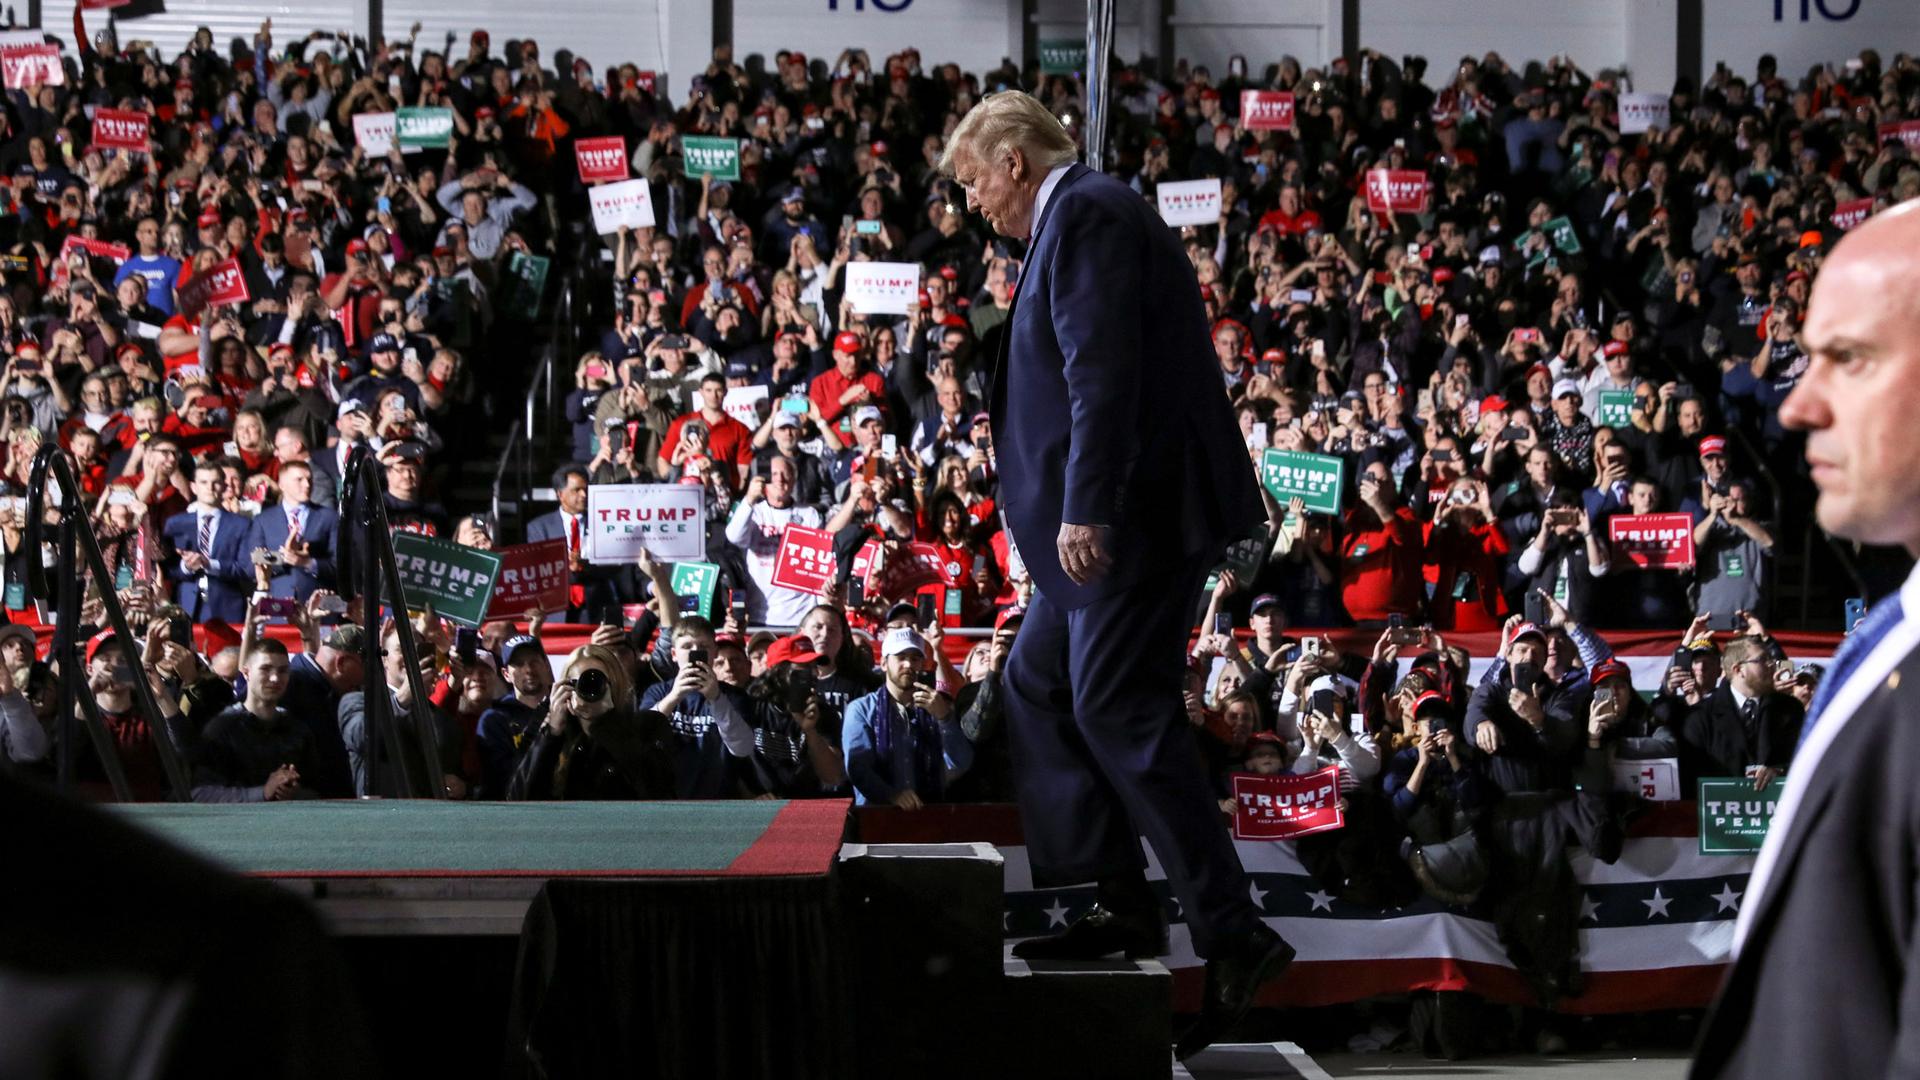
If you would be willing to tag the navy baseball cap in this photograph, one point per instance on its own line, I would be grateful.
(1262, 602)
(384, 343)
(515, 644)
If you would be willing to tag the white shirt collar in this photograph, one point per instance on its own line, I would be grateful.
(1046, 192)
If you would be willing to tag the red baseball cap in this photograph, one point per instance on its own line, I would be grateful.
(355, 246)
(1492, 403)
(1526, 628)
(846, 341)
(1540, 369)
(1442, 275)
(209, 217)
(1008, 615)
(96, 641)
(793, 649)
(1613, 348)
(878, 149)
(1713, 444)
(1608, 669)
(1273, 356)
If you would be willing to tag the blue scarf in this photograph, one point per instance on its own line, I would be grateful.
(929, 778)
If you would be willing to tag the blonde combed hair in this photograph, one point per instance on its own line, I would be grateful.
(1007, 120)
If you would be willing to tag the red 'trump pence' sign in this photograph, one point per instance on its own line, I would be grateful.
(529, 574)
(602, 159)
(1266, 110)
(1287, 805)
(1397, 191)
(222, 283)
(1653, 541)
(1849, 214)
(120, 129)
(805, 559)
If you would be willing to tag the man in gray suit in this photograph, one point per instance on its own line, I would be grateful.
(1826, 973)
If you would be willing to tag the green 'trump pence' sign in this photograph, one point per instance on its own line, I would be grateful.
(456, 579)
(1063, 56)
(710, 155)
(1734, 818)
(1317, 479)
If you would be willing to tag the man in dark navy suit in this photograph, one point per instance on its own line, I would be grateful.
(1825, 979)
(300, 533)
(210, 553)
(1122, 479)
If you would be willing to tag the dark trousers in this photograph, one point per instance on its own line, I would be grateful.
(1103, 754)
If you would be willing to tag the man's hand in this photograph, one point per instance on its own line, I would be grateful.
(1525, 706)
(907, 800)
(1763, 775)
(1557, 617)
(1330, 728)
(1083, 552)
(282, 784)
(1488, 738)
(936, 703)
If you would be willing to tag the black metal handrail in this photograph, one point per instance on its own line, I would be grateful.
(533, 435)
(365, 561)
(76, 535)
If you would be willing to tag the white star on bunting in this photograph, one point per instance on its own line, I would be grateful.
(1320, 900)
(1258, 894)
(1657, 905)
(1057, 914)
(1727, 899)
(1588, 907)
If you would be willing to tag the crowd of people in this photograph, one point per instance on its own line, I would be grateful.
(1453, 360)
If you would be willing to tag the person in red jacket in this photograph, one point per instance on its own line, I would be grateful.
(1380, 557)
(1464, 549)
(846, 386)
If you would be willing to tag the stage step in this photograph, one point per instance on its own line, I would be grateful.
(924, 935)
(1107, 1018)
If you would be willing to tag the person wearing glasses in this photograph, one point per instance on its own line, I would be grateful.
(1744, 727)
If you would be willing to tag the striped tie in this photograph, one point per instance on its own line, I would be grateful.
(206, 534)
(1859, 644)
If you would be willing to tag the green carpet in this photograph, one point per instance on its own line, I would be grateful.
(408, 837)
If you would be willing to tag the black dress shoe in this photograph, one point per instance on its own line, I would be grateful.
(1233, 979)
(1098, 933)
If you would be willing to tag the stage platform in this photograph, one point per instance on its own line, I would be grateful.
(415, 867)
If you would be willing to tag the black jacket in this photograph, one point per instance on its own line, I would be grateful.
(1716, 741)
(1827, 981)
(629, 756)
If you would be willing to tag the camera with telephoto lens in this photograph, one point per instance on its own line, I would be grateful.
(589, 686)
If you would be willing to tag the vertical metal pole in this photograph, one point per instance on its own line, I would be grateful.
(374, 716)
(66, 651)
(1099, 92)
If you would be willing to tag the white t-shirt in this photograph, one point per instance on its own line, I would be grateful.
(757, 530)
